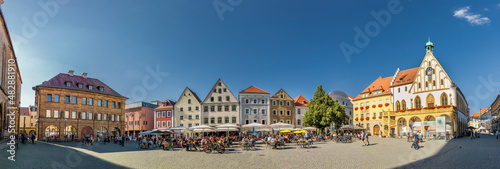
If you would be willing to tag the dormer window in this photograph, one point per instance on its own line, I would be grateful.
(80, 85)
(68, 84)
(90, 87)
(100, 88)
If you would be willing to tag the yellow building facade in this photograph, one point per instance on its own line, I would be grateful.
(371, 104)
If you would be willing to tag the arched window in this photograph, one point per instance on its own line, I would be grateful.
(403, 105)
(418, 103)
(398, 106)
(444, 99)
(430, 100)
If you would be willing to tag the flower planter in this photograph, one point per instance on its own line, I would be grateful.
(356, 108)
(374, 118)
(373, 106)
(367, 118)
(379, 117)
(367, 107)
(361, 108)
(379, 105)
(387, 104)
(356, 119)
(361, 119)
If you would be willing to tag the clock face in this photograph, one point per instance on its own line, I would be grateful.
(429, 70)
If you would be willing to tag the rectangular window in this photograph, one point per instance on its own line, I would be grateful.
(226, 120)
(181, 117)
(197, 117)
(118, 118)
(281, 103)
(254, 111)
(66, 100)
(219, 119)
(196, 124)
(157, 124)
(212, 108)
(379, 101)
(264, 122)
(228, 98)
(74, 100)
(169, 113)
(205, 109)
(212, 120)
(219, 108)
(56, 113)
(163, 114)
(374, 102)
(263, 101)
(119, 105)
(274, 112)
(233, 108)
(288, 113)
(99, 102)
(226, 108)
(90, 116)
(263, 111)
(247, 111)
(190, 124)
(84, 115)
(73, 115)
(49, 98)
(163, 124)
(197, 108)
(105, 103)
(48, 113)
(254, 101)
(84, 101)
(233, 120)
(56, 98)
(181, 109)
(158, 114)
(190, 117)
(91, 102)
(113, 104)
(274, 102)
(246, 121)
(189, 108)
(105, 117)
(386, 100)
(205, 121)
(169, 124)
(66, 114)
(287, 103)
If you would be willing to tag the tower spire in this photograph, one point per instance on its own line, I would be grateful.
(429, 46)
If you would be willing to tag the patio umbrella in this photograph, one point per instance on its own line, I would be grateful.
(227, 126)
(203, 128)
(470, 127)
(285, 131)
(280, 125)
(299, 131)
(310, 128)
(146, 132)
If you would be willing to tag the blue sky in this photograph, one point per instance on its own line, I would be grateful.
(286, 44)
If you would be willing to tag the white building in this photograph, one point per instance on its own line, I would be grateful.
(345, 100)
(300, 109)
(220, 106)
(254, 106)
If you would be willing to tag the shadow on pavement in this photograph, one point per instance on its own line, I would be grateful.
(42, 155)
(462, 152)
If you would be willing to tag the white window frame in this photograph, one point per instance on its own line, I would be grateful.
(84, 116)
(48, 114)
(90, 116)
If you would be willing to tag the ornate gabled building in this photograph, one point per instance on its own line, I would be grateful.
(220, 106)
(424, 94)
(300, 109)
(69, 104)
(282, 108)
(254, 106)
(187, 110)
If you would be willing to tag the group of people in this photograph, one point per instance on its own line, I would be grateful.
(25, 138)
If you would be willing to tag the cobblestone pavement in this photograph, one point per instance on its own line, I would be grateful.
(384, 153)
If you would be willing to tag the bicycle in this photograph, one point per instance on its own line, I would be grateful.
(415, 147)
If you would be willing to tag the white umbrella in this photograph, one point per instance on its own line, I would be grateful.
(203, 128)
(310, 128)
(253, 125)
(280, 125)
(227, 126)
(227, 129)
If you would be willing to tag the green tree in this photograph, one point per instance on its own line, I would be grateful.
(323, 111)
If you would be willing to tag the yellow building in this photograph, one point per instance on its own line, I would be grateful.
(27, 123)
(370, 105)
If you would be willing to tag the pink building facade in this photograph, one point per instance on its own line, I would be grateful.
(139, 117)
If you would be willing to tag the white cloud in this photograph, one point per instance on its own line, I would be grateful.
(473, 19)
(486, 9)
(498, 5)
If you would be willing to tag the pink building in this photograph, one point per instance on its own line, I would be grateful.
(139, 117)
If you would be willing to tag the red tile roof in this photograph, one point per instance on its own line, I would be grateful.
(379, 84)
(59, 81)
(24, 111)
(476, 115)
(301, 101)
(405, 76)
(253, 89)
(350, 97)
(483, 110)
(166, 104)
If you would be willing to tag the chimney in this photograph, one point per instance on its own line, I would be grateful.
(84, 75)
(70, 72)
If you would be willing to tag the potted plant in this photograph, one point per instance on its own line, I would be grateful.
(356, 108)
(373, 106)
(367, 107)
(367, 118)
(374, 117)
(361, 119)
(356, 119)
(361, 108)
(387, 104)
(379, 117)
(379, 105)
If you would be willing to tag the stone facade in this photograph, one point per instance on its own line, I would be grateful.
(187, 110)
(70, 104)
(254, 106)
(220, 106)
(282, 108)
(10, 83)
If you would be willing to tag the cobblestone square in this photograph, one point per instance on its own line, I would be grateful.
(483, 152)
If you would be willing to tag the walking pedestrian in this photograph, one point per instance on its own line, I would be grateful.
(496, 134)
(33, 138)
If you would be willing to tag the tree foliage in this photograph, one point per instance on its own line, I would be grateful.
(323, 111)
